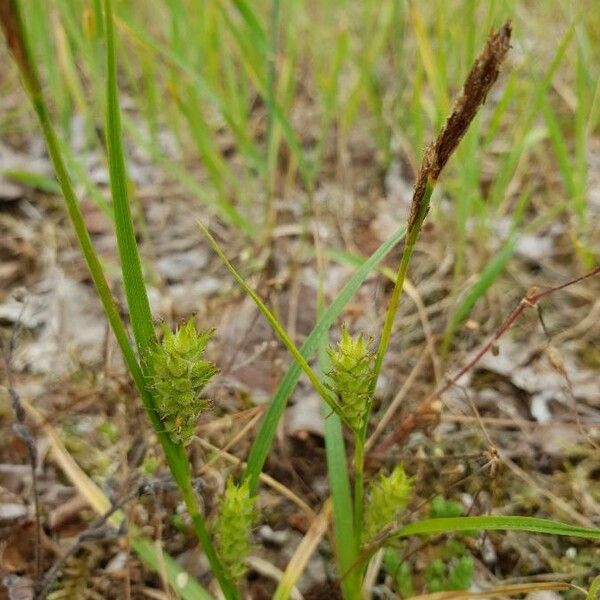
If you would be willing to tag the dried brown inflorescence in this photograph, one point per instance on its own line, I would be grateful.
(11, 25)
(478, 83)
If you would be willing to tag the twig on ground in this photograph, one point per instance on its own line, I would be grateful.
(426, 411)
(24, 434)
(97, 531)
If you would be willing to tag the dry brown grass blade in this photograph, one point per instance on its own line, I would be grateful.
(501, 590)
(372, 573)
(86, 487)
(240, 435)
(304, 551)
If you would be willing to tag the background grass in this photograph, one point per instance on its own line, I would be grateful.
(265, 101)
(282, 83)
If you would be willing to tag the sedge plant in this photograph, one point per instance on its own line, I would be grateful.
(349, 387)
(137, 299)
(170, 374)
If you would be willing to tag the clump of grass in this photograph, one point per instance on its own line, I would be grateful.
(171, 381)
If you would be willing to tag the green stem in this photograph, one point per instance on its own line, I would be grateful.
(279, 330)
(359, 485)
(137, 297)
(227, 587)
(411, 240)
(360, 437)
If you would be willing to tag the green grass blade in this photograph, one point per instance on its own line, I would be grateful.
(272, 137)
(268, 427)
(35, 181)
(594, 591)
(258, 35)
(580, 165)
(489, 274)
(526, 133)
(203, 88)
(260, 79)
(494, 523)
(270, 317)
(37, 18)
(137, 298)
(82, 177)
(561, 152)
(205, 144)
(133, 279)
(223, 209)
(185, 586)
(330, 90)
(499, 111)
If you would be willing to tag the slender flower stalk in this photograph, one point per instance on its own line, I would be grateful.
(479, 81)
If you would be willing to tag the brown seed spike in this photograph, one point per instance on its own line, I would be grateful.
(12, 26)
(478, 83)
(481, 78)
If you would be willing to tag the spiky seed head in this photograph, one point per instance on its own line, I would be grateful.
(387, 497)
(179, 374)
(350, 378)
(237, 515)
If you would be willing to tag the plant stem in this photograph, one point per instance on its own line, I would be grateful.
(277, 328)
(191, 503)
(137, 296)
(359, 451)
(411, 240)
(359, 485)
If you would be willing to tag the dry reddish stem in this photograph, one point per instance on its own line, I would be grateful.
(425, 414)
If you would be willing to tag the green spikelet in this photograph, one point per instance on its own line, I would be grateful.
(350, 377)
(388, 497)
(232, 528)
(179, 374)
